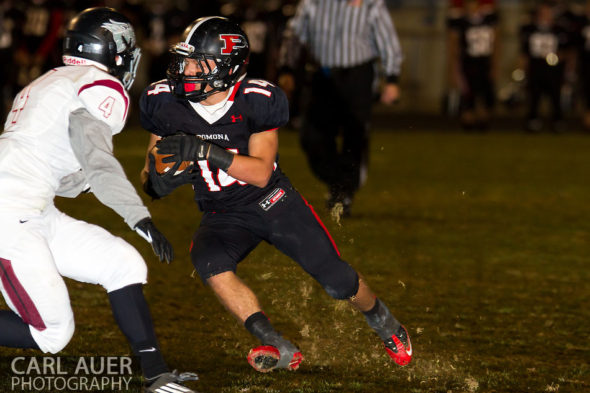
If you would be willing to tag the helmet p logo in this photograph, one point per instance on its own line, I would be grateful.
(231, 41)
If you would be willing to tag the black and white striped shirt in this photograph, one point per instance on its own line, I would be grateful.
(347, 33)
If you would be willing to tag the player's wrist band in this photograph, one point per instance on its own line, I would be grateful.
(220, 157)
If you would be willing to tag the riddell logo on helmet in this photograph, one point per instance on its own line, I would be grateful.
(231, 42)
(185, 47)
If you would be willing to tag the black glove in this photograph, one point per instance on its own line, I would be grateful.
(161, 246)
(185, 147)
(159, 185)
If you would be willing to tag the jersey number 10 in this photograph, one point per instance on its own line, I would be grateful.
(223, 178)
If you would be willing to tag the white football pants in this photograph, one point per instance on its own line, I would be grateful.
(37, 250)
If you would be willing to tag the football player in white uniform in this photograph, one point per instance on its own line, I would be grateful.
(57, 140)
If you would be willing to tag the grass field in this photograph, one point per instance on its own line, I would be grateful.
(480, 245)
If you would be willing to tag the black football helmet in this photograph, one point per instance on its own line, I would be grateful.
(105, 38)
(211, 38)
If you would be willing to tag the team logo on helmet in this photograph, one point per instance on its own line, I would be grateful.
(123, 34)
(231, 42)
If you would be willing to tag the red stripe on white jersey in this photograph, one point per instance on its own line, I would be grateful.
(112, 85)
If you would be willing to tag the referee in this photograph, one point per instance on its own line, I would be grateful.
(345, 39)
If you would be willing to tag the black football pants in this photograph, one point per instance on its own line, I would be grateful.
(340, 104)
(225, 238)
(480, 84)
(545, 81)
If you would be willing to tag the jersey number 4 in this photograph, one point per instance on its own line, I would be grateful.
(258, 90)
(19, 105)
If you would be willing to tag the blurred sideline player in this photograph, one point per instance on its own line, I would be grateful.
(229, 127)
(543, 45)
(57, 140)
(473, 52)
(583, 56)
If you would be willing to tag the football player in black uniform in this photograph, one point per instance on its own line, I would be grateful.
(543, 45)
(473, 52)
(583, 49)
(209, 113)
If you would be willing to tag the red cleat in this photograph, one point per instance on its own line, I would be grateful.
(266, 358)
(399, 347)
(295, 361)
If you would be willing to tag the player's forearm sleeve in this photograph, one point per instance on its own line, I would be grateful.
(91, 141)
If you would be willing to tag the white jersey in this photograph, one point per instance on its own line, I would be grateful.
(58, 141)
(35, 148)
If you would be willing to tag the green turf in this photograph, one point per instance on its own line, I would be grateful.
(480, 245)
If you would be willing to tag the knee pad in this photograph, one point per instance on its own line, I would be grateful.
(126, 268)
(340, 283)
(55, 337)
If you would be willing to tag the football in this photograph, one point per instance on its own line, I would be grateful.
(164, 167)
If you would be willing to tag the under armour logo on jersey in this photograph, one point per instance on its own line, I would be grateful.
(271, 199)
(235, 119)
(231, 41)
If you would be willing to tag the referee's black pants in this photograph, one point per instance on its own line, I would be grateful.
(340, 104)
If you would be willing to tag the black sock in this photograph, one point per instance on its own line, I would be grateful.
(14, 332)
(260, 327)
(381, 320)
(132, 314)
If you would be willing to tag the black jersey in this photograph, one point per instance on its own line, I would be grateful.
(583, 41)
(253, 106)
(476, 35)
(542, 45)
